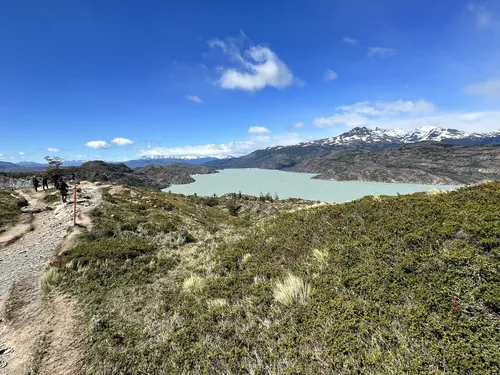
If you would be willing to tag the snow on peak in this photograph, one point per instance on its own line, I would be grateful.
(377, 135)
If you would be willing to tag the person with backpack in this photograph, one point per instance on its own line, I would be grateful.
(45, 182)
(63, 188)
(36, 183)
(55, 180)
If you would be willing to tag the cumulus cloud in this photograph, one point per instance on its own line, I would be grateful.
(487, 88)
(330, 75)
(258, 130)
(22, 153)
(346, 119)
(256, 68)
(2, 156)
(389, 108)
(194, 98)
(381, 52)
(97, 144)
(50, 149)
(236, 148)
(362, 113)
(119, 142)
(349, 40)
(297, 125)
(407, 115)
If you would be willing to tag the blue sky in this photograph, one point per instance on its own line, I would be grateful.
(228, 77)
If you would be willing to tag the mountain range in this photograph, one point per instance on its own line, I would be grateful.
(360, 139)
(136, 163)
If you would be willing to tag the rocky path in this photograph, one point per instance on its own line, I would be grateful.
(25, 251)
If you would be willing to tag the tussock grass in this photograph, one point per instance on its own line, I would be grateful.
(217, 303)
(291, 290)
(320, 256)
(50, 280)
(437, 191)
(193, 285)
(245, 258)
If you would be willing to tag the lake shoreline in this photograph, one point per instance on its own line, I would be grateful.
(257, 181)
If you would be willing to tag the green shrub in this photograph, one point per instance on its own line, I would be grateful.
(109, 249)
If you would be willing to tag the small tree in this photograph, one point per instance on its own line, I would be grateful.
(54, 163)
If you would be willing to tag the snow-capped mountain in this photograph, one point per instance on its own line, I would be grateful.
(361, 138)
(364, 136)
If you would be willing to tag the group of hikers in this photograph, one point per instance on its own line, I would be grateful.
(57, 181)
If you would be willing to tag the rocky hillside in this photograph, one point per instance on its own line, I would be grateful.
(360, 139)
(153, 176)
(426, 162)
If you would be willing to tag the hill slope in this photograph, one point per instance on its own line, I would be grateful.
(429, 163)
(424, 162)
(308, 156)
(393, 285)
(153, 176)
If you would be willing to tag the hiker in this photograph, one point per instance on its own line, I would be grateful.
(55, 180)
(72, 178)
(63, 188)
(45, 182)
(36, 183)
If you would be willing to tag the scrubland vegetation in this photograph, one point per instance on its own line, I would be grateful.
(192, 285)
(10, 203)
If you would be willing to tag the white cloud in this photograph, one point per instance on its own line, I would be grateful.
(22, 153)
(487, 88)
(297, 125)
(408, 115)
(381, 52)
(97, 144)
(194, 98)
(50, 149)
(349, 40)
(258, 130)
(236, 148)
(468, 121)
(118, 142)
(2, 156)
(346, 119)
(389, 108)
(330, 75)
(258, 67)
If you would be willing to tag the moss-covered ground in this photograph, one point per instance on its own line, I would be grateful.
(382, 285)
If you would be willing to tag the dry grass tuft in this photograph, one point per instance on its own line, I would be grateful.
(437, 191)
(245, 258)
(291, 290)
(320, 256)
(50, 280)
(193, 285)
(217, 303)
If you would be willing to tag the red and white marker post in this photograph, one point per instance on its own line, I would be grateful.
(74, 204)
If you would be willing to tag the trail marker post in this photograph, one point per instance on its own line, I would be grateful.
(74, 204)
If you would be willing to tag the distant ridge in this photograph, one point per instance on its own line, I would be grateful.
(359, 138)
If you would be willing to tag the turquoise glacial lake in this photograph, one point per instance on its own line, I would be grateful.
(291, 185)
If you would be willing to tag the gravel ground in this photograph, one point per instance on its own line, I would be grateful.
(33, 252)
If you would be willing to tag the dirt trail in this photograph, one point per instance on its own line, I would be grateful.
(28, 325)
